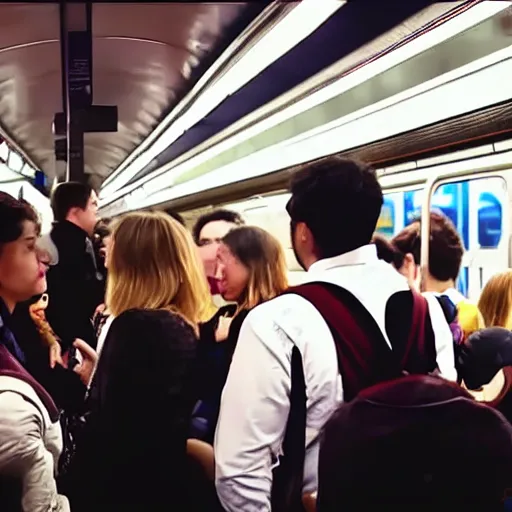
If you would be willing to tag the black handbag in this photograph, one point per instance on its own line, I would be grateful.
(72, 428)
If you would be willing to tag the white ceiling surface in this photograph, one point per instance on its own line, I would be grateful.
(143, 56)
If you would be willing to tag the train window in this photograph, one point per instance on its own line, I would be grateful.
(452, 200)
(463, 281)
(474, 206)
(386, 222)
(490, 216)
(412, 205)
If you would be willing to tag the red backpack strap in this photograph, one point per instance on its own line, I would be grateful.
(10, 367)
(364, 357)
(416, 343)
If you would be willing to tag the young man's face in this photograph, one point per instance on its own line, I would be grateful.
(209, 240)
(88, 218)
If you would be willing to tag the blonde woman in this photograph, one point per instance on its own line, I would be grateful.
(132, 451)
(495, 304)
(251, 269)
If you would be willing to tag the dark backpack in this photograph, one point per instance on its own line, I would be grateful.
(364, 359)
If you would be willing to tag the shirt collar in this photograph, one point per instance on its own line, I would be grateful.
(360, 256)
(454, 295)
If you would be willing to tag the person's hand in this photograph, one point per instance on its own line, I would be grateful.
(55, 355)
(222, 331)
(99, 310)
(89, 360)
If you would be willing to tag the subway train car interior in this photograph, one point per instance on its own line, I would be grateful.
(190, 108)
(193, 106)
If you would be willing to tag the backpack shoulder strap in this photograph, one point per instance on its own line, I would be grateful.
(287, 481)
(416, 338)
(363, 355)
(10, 367)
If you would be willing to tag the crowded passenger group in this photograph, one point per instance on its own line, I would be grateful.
(148, 367)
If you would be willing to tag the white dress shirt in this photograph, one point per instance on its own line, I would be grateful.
(255, 401)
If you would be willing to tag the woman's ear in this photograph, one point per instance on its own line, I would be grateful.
(411, 270)
(409, 260)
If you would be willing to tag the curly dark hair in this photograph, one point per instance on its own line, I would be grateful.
(13, 213)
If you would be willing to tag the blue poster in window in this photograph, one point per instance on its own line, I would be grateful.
(452, 200)
(489, 220)
(386, 222)
(412, 205)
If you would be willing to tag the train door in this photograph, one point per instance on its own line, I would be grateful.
(489, 224)
(479, 209)
(477, 206)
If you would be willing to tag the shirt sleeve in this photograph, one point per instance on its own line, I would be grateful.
(253, 415)
(443, 339)
(24, 455)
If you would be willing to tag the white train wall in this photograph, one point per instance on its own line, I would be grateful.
(476, 193)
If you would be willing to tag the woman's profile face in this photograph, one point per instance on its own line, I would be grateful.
(22, 271)
(232, 273)
(107, 249)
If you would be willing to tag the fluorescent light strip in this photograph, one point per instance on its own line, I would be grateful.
(295, 27)
(477, 66)
(434, 37)
(452, 27)
(239, 43)
(454, 98)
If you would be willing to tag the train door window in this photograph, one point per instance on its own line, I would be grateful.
(490, 220)
(412, 205)
(462, 283)
(452, 200)
(387, 223)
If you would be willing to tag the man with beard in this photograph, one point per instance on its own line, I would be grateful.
(288, 349)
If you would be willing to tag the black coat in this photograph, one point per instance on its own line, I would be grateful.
(214, 361)
(131, 455)
(64, 386)
(76, 286)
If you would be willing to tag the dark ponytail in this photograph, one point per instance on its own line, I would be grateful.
(387, 251)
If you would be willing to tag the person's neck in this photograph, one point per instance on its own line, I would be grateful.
(436, 286)
(9, 303)
(308, 261)
(72, 221)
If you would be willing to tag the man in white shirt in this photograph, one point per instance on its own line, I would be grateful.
(334, 209)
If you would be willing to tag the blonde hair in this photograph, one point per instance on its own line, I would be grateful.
(154, 264)
(264, 258)
(495, 302)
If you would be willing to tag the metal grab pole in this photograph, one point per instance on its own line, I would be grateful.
(425, 225)
(76, 53)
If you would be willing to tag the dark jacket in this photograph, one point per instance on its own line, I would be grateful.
(214, 360)
(75, 285)
(131, 454)
(64, 386)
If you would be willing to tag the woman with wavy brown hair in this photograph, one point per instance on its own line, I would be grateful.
(141, 396)
(251, 269)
